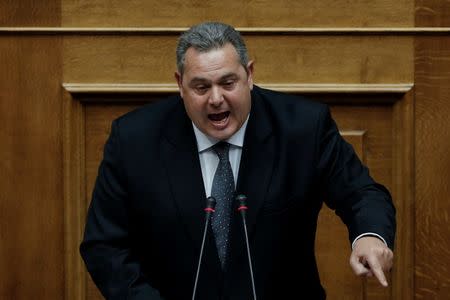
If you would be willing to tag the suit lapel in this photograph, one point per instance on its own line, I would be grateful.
(257, 161)
(254, 173)
(180, 155)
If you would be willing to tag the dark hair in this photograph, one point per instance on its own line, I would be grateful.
(207, 36)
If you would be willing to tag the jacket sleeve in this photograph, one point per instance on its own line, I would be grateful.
(106, 248)
(363, 204)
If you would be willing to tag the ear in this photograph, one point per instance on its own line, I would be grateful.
(250, 74)
(179, 79)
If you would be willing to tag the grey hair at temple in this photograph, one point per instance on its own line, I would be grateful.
(208, 36)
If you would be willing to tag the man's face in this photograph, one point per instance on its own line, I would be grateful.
(215, 89)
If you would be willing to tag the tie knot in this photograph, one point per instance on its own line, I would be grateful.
(221, 149)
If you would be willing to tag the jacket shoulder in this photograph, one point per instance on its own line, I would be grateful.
(149, 117)
(288, 110)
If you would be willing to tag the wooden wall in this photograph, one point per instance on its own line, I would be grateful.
(432, 160)
(67, 68)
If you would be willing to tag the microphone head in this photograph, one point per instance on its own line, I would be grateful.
(241, 199)
(210, 202)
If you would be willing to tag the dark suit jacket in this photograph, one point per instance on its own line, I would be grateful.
(145, 221)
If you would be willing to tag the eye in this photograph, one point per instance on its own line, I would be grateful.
(201, 89)
(229, 84)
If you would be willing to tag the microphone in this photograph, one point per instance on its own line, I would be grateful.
(242, 199)
(209, 209)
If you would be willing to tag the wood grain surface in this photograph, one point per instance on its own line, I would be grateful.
(269, 13)
(432, 158)
(433, 13)
(278, 59)
(31, 207)
(30, 13)
(432, 246)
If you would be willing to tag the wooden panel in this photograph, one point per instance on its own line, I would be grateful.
(432, 13)
(402, 192)
(119, 59)
(74, 194)
(315, 31)
(131, 59)
(317, 88)
(269, 13)
(31, 207)
(432, 161)
(30, 13)
(432, 248)
(377, 122)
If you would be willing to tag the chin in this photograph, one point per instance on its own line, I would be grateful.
(221, 135)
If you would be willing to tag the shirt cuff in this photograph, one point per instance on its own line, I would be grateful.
(369, 234)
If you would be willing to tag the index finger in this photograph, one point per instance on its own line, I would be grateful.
(377, 270)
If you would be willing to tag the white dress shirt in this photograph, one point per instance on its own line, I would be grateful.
(209, 160)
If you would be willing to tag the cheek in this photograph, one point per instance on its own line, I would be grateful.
(241, 105)
(196, 106)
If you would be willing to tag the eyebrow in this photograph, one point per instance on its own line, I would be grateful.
(196, 80)
(228, 76)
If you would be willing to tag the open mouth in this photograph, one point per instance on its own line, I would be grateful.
(219, 121)
(220, 117)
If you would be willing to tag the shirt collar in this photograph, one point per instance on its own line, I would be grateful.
(204, 141)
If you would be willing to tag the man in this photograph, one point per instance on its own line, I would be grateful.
(284, 153)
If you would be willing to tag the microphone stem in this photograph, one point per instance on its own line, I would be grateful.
(249, 256)
(201, 255)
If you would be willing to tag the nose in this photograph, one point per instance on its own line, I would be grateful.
(215, 97)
